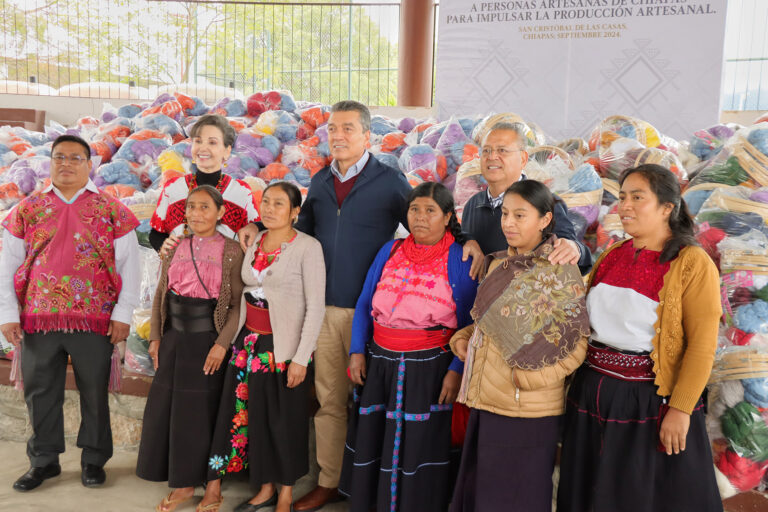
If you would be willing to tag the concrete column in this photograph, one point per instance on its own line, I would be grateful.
(417, 22)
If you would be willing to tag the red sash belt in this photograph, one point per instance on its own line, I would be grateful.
(408, 340)
(257, 319)
(621, 365)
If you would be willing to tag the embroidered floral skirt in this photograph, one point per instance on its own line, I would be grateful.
(610, 459)
(263, 426)
(181, 410)
(398, 451)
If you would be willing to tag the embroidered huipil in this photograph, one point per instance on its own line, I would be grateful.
(209, 252)
(68, 279)
(624, 298)
(239, 205)
(414, 296)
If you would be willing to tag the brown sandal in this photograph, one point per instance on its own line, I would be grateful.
(211, 507)
(169, 505)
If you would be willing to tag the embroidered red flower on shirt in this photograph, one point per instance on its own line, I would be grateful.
(241, 418)
(239, 441)
(241, 359)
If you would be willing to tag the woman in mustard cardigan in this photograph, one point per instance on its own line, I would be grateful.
(529, 333)
(635, 437)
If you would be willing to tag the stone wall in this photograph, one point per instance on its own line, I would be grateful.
(126, 414)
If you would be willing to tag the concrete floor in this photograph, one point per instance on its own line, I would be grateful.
(123, 491)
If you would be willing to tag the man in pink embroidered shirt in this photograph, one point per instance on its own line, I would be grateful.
(69, 280)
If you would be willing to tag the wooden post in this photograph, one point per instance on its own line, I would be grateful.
(417, 23)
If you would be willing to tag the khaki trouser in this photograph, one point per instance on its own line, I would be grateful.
(332, 387)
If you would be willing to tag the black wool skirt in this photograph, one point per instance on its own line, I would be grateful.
(263, 426)
(398, 451)
(612, 458)
(181, 411)
(506, 464)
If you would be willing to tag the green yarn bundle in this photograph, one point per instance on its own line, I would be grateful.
(746, 431)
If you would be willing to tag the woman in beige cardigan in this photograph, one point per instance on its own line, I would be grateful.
(263, 424)
(529, 334)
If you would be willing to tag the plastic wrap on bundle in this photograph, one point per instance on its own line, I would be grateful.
(665, 159)
(576, 147)
(173, 164)
(406, 124)
(455, 146)
(743, 161)
(261, 102)
(609, 231)
(381, 126)
(417, 133)
(13, 142)
(617, 156)
(706, 144)
(731, 210)
(306, 156)
(469, 181)
(28, 174)
(312, 117)
(163, 124)
(239, 166)
(422, 161)
(10, 195)
(282, 125)
(534, 135)
(746, 431)
(32, 137)
(613, 127)
(191, 105)
(143, 146)
(165, 104)
(393, 142)
(263, 149)
(124, 172)
(137, 358)
(229, 107)
(274, 171)
(388, 159)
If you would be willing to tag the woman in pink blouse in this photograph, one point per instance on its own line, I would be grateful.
(416, 294)
(194, 319)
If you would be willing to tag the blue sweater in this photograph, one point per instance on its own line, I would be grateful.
(352, 234)
(463, 287)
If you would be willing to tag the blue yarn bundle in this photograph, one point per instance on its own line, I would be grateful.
(468, 125)
(387, 159)
(381, 125)
(695, 198)
(759, 138)
(119, 172)
(34, 138)
(756, 391)
(232, 108)
(752, 318)
(161, 123)
(706, 144)
(129, 111)
(585, 179)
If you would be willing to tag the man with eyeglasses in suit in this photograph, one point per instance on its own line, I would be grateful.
(69, 281)
(502, 160)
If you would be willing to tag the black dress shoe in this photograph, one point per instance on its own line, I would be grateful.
(250, 507)
(93, 475)
(35, 476)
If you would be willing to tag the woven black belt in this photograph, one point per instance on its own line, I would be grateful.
(190, 315)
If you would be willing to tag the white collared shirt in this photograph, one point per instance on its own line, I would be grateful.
(353, 171)
(126, 264)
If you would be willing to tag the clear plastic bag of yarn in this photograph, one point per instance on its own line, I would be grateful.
(469, 181)
(137, 358)
(535, 136)
(742, 161)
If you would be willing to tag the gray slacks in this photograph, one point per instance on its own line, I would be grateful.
(44, 370)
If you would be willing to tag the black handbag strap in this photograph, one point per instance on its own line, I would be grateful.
(194, 264)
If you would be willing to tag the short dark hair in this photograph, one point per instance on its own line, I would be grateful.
(228, 133)
(664, 185)
(212, 191)
(76, 140)
(293, 192)
(444, 199)
(540, 198)
(355, 106)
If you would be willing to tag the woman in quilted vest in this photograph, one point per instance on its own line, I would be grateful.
(529, 333)
(194, 320)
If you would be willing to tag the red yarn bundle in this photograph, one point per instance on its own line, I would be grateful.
(743, 473)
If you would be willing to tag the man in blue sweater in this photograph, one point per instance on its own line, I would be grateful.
(502, 159)
(353, 208)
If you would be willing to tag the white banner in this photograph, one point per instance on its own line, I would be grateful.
(567, 64)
